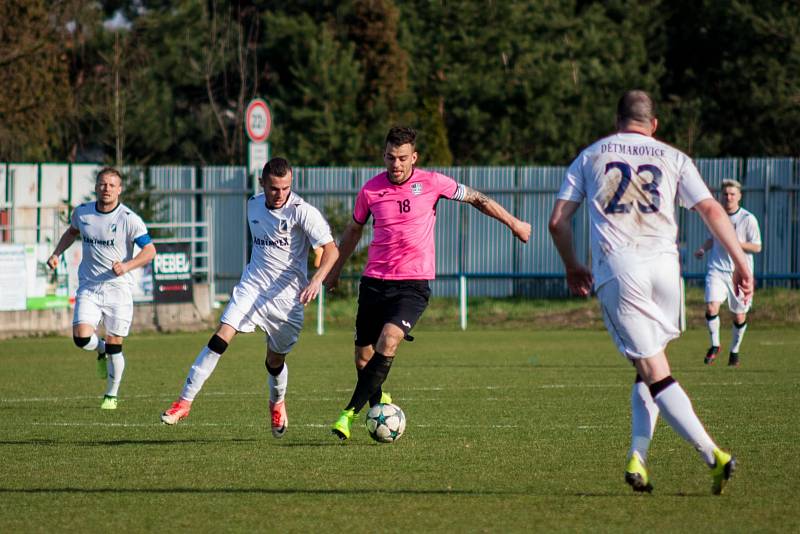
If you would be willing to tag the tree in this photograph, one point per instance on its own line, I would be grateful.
(313, 85)
(385, 98)
(106, 67)
(232, 39)
(35, 96)
(523, 83)
(188, 69)
(486, 83)
(739, 98)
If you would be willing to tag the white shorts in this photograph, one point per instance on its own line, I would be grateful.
(282, 320)
(110, 303)
(719, 288)
(642, 307)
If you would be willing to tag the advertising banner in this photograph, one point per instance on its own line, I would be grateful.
(172, 273)
(45, 288)
(12, 277)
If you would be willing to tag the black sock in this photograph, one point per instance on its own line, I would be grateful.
(376, 397)
(274, 371)
(369, 382)
(661, 385)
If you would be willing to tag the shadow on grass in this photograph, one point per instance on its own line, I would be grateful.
(265, 491)
(323, 443)
(342, 491)
(116, 442)
(627, 494)
(504, 365)
(728, 371)
(170, 442)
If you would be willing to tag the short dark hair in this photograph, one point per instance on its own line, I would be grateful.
(108, 171)
(635, 106)
(401, 135)
(277, 167)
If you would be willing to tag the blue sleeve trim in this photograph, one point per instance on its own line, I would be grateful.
(143, 240)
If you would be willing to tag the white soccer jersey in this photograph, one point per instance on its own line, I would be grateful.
(747, 231)
(107, 238)
(281, 240)
(632, 182)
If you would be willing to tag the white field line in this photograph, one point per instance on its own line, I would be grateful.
(264, 426)
(251, 425)
(14, 400)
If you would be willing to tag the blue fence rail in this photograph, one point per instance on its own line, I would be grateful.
(468, 243)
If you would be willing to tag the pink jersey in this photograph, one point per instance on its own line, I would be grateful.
(404, 215)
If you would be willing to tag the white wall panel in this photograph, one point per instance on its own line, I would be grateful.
(82, 188)
(54, 196)
(24, 179)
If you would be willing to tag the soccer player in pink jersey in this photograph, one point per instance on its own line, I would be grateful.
(394, 289)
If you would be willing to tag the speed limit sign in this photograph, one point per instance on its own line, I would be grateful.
(258, 120)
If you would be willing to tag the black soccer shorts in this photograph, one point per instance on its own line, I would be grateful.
(399, 302)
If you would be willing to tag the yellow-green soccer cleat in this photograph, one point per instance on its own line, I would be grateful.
(722, 470)
(385, 398)
(102, 369)
(109, 403)
(341, 428)
(636, 475)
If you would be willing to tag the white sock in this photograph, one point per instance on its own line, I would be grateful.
(202, 368)
(644, 414)
(713, 329)
(677, 410)
(277, 384)
(101, 346)
(737, 335)
(115, 363)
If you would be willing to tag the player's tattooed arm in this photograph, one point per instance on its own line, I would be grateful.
(484, 204)
(478, 200)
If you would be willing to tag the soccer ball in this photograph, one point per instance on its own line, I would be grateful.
(386, 423)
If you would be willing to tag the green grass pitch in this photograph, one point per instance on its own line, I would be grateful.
(508, 431)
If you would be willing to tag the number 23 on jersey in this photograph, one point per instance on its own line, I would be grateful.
(652, 205)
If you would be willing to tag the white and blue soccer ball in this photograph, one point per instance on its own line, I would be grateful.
(386, 423)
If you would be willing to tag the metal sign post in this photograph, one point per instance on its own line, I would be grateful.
(257, 157)
(258, 124)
